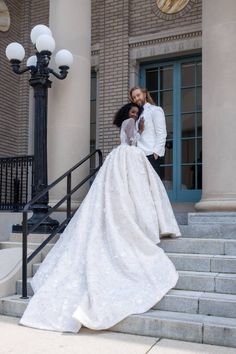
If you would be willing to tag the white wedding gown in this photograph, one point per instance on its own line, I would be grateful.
(106, 264)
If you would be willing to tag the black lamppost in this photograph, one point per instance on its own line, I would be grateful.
(38, 66)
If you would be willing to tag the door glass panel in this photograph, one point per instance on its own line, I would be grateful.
(152, 80)
(187, 177)
(188, 150)
(188, 100)
(166, 77)
(169, 126)
(188, 74)
(188, 125)
(199, 176)
(154, 96)
(167, 101)
(191, 126)
(166, 175)
(177, 89)
(168, 158)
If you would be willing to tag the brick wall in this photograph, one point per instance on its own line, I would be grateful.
(14, 89)
(95, 20)
(144, 19)
(113, 68)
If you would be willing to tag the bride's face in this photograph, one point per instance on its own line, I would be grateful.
(133, 113)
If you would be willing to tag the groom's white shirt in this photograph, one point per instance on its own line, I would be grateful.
(153, 138)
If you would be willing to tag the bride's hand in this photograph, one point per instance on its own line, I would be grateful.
(155, 156)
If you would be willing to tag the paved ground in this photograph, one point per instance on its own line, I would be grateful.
(15, 339)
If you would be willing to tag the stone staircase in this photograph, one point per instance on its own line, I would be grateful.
(202, 307)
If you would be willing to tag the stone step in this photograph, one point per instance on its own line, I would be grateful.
(188, 280)
(203, 262)
(32, 238)
(195, 262)
(181, 326)
(31, 245)
(199, 246)
(212, 218)
(207, 281)
(198, 328)
(179, 245)
(196, 302)
(13, 305)
(217, 231)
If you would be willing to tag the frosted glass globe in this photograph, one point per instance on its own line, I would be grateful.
(32, 61)
(38, 31)
(64, 58)
(45, 42)
(16, 51)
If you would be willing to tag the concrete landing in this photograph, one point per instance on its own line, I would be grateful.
(17, 339)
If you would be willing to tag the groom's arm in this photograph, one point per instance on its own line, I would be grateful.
(159, 122)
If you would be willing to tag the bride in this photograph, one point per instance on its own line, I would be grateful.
(106, 264)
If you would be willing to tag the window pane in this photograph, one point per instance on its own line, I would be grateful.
(93, 88)
(169, 127)
(154, 96)
(199, 124)
(188, 100)
(152, 80)
(166, 78)
(188, 125)
(199, 73)
(199, 98)
(199, 149)
(93, 97)
(188, 74)
(188, 151)
(93, 112)
(168, 158)
(199, 176)
(92, 131)
(166, 175)
(188, 181)
(167, 101)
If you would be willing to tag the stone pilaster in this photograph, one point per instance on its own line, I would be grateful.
(69, 99)
(219, 110)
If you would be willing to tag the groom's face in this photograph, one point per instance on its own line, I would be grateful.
(139, 97)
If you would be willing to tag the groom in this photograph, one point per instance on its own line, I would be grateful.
(153, 139)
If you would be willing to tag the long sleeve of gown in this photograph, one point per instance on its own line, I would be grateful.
(128, 129)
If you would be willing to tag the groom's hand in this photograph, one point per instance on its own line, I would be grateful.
(141, 125)
(155, 156)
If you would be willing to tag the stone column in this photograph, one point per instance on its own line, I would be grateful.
(219, 106)
(69, 99)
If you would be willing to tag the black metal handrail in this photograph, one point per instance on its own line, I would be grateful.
(16, 181)
(67, 197)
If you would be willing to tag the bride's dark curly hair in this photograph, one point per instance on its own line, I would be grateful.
(123, 113)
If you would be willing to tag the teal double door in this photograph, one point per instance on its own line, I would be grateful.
(176, 86)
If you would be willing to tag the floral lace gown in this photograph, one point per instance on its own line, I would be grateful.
(106, 264)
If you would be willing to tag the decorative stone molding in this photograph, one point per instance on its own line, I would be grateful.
(4, 17)
(171, 12)
(94, 52)
(153, 41)
(95, 49)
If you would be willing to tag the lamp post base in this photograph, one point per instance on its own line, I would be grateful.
(45, 227)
